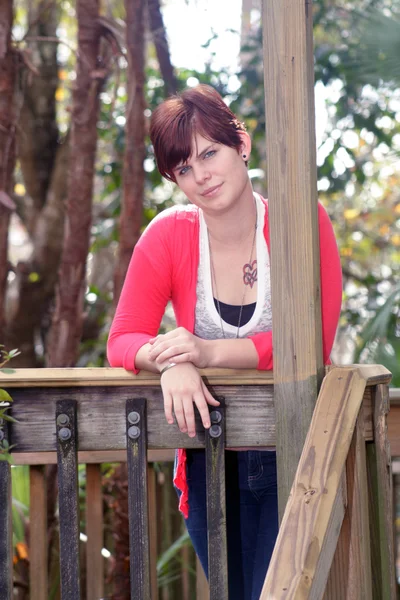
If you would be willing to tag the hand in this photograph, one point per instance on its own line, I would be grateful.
(183, 387)
(180, 346)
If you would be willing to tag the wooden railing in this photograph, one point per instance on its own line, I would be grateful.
(98, 415)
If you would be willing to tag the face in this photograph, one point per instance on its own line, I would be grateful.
(214, 176)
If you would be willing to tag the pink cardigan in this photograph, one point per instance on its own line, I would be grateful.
(164, 267)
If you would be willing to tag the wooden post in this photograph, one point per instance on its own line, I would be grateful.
(94, 532)
(293, 225)
(38, 533)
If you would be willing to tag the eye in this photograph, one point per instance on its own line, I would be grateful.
(184, 170)
(210, 153)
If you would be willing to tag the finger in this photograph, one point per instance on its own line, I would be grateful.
(189, 416)
(203, 409)
(180, 414)
(168, 408)
(208, 396)
(169, 353)
(181, 358)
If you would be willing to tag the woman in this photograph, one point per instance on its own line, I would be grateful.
(211, 259)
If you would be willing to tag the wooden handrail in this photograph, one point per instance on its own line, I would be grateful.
(315, 510)
(88, 376)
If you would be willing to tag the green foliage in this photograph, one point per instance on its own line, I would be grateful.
(5, 401)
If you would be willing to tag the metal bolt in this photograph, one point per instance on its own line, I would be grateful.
(215, 431)
(64, 434)
(62, 420)
(134, 432)
(2, 435)
(215, 416)
(133, 417)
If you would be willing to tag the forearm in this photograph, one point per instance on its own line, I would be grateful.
(142, 360)
(232, 354)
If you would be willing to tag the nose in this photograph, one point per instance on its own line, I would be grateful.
(201, 174)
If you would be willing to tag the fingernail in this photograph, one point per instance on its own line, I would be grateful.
(207, 425)
(170, 421)
(191, 434)
(184, 430)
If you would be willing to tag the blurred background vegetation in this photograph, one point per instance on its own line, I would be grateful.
(357, 83)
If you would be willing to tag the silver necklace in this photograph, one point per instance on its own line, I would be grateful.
(215, 281)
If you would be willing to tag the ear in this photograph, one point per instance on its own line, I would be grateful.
(245, 146)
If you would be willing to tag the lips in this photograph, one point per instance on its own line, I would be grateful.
(211, 191)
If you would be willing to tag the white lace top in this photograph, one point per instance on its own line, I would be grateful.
(207, 320)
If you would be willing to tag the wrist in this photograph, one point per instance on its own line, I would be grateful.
(210, 353)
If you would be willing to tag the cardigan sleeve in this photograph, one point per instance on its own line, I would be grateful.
(331, 295)
(144, 296)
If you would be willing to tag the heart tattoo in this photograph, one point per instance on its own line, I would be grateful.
(250, 273)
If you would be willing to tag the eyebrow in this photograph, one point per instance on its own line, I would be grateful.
(181, 165)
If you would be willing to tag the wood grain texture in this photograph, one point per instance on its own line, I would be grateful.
(313, 517)
(38, 533)
(120, 377)
(294, 234)
(68, 501)
(89, 457)
(381, 502)
(139, 553)
(152, 506)
(94, 532)
(101, 418)
(88, 376)
(216, 506)
(6, 554)
(350, 575)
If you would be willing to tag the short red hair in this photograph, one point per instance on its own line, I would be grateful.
(196, 110)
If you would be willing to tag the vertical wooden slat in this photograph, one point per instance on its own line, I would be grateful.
(151, 482)
(380, 501)
(38, 533)
(137, 485)
(94, 532)
(67, 457)
(293, 225)
(202, 589)
(350, 575)
(6, 556)
(216, 506)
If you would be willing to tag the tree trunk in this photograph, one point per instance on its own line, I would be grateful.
(7, 142)
(161, 44)
(43, 160)
(67, 322)
(133, 173)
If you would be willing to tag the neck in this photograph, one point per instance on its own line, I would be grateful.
(235, 226)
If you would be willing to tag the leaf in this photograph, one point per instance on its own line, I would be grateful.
(8, 371)
(13, 353)
(5, 396)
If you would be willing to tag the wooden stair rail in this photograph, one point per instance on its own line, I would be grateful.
(324, 492)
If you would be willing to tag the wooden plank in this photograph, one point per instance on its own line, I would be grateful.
(89, 376)
(139, 556)
(380, 504)
(89, 457)
(94, 532)
(152, 506)
(38, 540)
(311, 524)
(102, 425)
(6, 554)
(202, 588)
(6, 546)
(393, 424)
(67, 443)
(293, 218)
(216, 506)
(350, 575)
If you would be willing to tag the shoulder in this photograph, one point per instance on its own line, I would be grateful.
(179, 220)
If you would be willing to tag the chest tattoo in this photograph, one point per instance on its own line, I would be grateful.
(250, 273)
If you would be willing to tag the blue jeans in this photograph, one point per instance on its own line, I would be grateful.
(252, 516)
